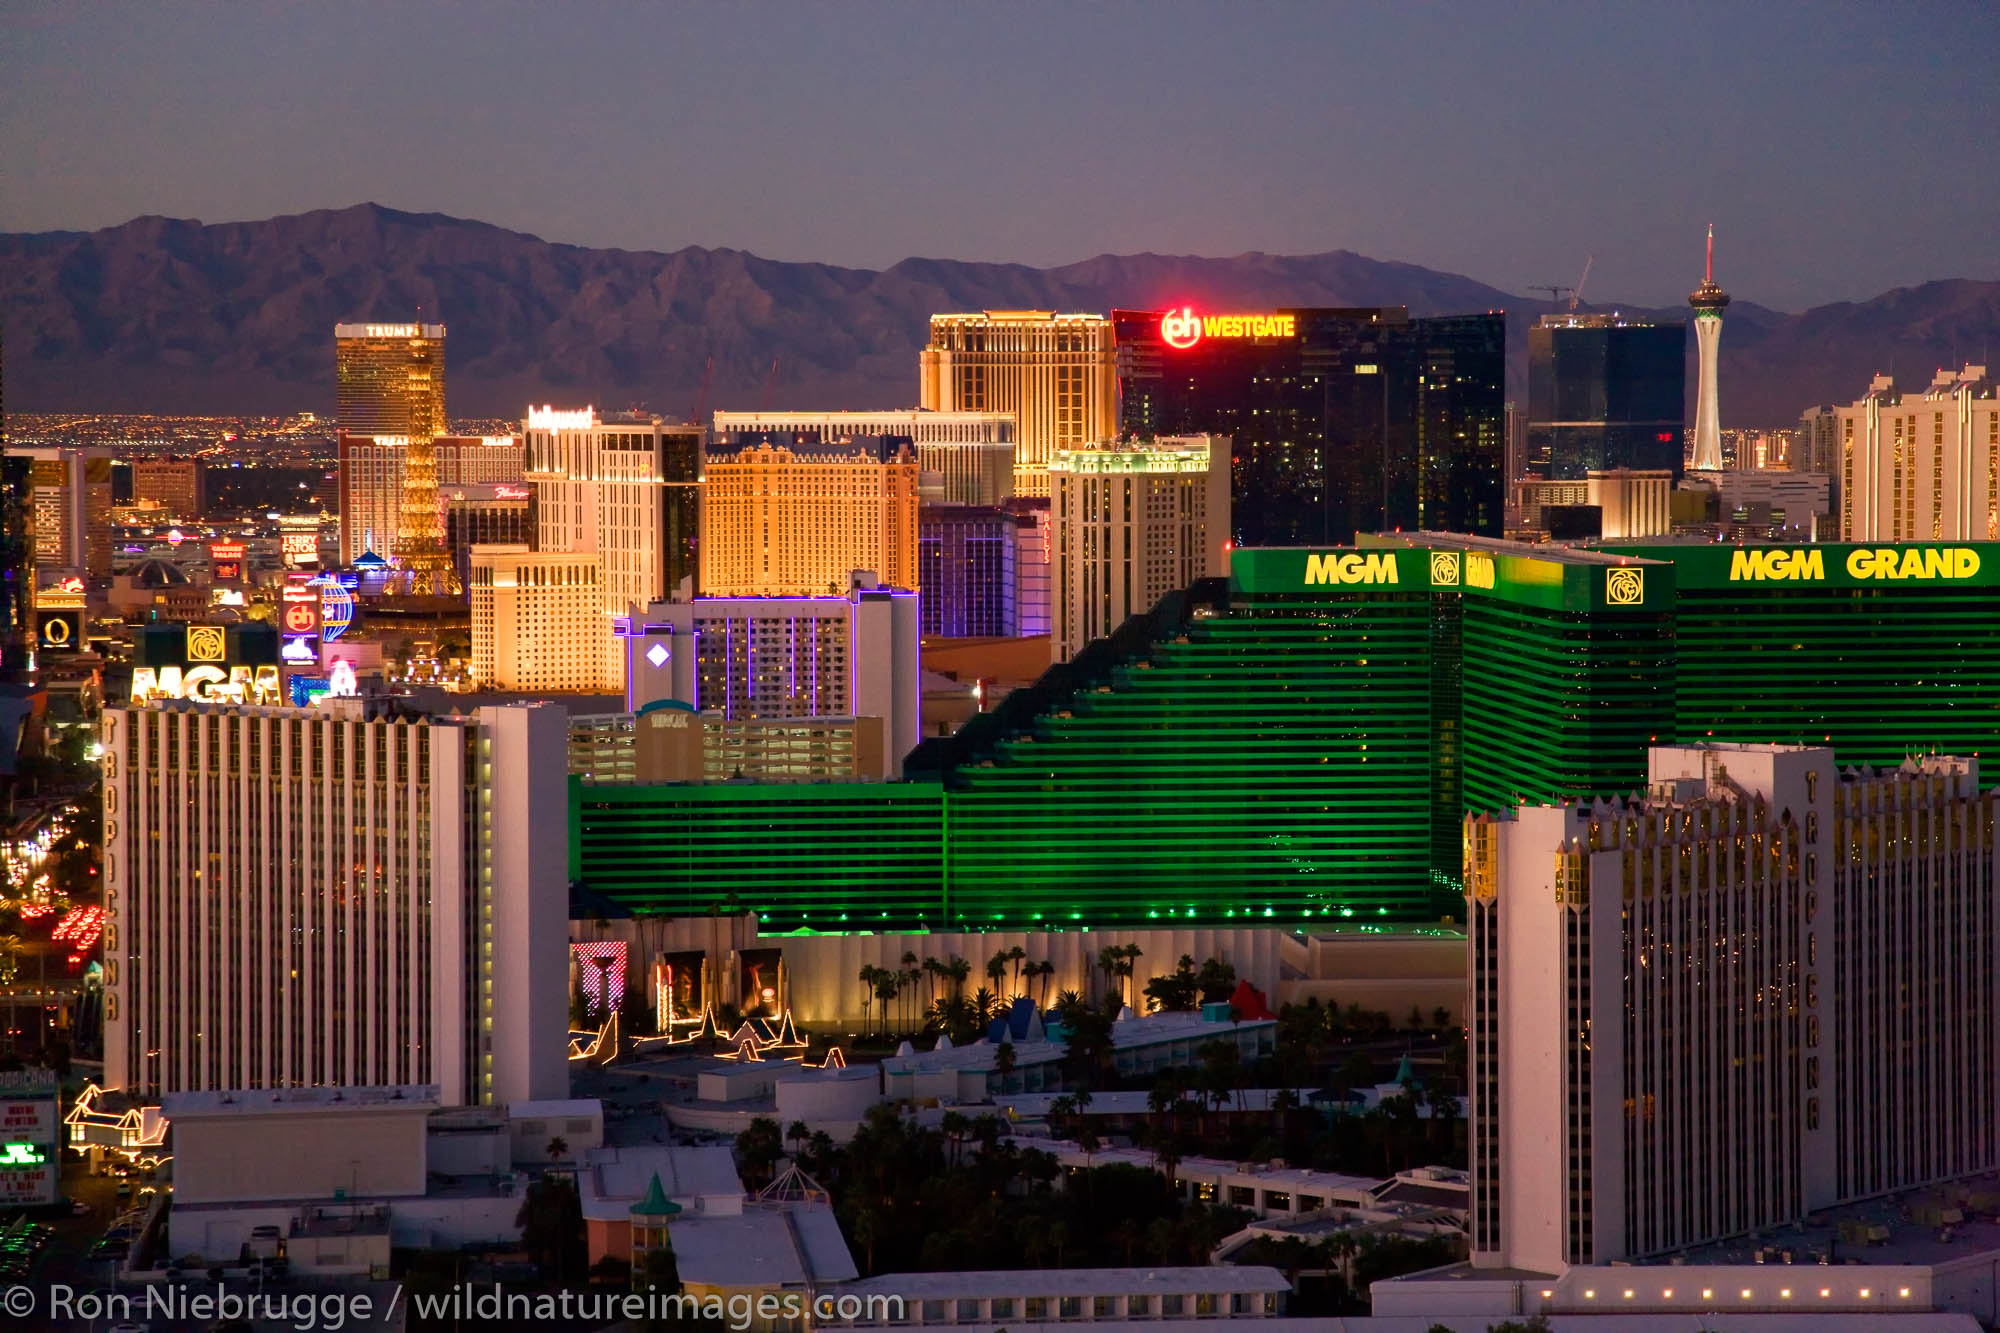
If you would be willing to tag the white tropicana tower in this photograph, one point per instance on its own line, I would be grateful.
(1708, 301)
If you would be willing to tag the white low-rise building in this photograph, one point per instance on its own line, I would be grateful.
(1060, 1295)
(972, 1073)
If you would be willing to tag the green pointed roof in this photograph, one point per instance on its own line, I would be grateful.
(1405, 1074)
(656, 1203)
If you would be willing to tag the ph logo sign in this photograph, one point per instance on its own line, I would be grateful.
(1624, 587)
(1180, 329)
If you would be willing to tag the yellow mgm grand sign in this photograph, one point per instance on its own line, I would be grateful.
(1858, 564)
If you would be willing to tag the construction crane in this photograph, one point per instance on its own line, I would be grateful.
(1555, 294)
(1576, 292)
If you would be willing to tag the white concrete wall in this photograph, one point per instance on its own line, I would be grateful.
(372, 1152)
(526, 848)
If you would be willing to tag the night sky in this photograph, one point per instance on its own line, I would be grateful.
(1840, 149)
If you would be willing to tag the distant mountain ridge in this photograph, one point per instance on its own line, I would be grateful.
(171, 315)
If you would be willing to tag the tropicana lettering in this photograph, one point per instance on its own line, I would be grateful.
(1351, 568)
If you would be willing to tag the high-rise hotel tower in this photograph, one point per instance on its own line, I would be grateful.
(391, 384)
(1709, 301)
(354, 893)
(1763, 988)
(1056, 373)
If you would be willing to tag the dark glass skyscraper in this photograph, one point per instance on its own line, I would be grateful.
(1341, 420)
(1605, 393)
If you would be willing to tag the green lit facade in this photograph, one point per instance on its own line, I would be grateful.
(1299, 743)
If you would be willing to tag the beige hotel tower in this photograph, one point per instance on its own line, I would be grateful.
(1056, 373)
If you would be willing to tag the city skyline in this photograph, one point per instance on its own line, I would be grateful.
(1374, 123)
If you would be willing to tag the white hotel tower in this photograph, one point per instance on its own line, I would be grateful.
(1765, 988)
(1709, 301)
(352, 893)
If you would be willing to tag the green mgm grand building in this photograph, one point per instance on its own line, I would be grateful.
(1298, 744)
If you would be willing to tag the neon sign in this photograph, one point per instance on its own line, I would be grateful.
(600, 973)
(1182, 328)
(391, 330)
(340, 682)
(21, 1154)
(298, 649)
(550, 418)
(1351, 568)
(336, 608)
(510, 492)
(1887, 562)
(206, 684)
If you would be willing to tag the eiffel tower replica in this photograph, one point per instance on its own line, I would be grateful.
(420, 548)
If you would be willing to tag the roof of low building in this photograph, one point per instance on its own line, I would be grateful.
(1057, 1282)
(766, 1245)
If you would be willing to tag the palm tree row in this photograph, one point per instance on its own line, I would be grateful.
(946, 1006)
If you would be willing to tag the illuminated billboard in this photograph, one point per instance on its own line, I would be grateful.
(1181, 329)
(29, 1147)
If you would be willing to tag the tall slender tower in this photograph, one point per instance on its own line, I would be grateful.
(391, 382)
(1708, 301)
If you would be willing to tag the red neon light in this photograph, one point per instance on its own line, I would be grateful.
(1180, 329)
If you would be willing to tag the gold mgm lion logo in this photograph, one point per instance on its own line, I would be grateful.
(1444, 569)
(1624, 587)
(204, 643)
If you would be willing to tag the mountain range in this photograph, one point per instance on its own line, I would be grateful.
(178, 316)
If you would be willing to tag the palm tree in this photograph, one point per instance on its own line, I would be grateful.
(1003, 1061)
(1107, 963)
(558, 1148)
(956, 1126)
(996, 968)
(956, 969)
(888, 985)
(1015, 956)
(866, 976)
(909, 974)
(798, 1134)
(1045, 969)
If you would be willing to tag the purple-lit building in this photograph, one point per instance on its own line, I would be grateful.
(848, 655)
(967, 560)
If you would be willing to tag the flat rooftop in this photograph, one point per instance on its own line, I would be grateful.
(766, 1245)
(1126, 1034)
(1909, 1241)
(1057, 1282)
(1459, 541)
(257, 1101)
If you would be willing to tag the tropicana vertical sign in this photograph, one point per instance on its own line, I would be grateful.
(1182, 328)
